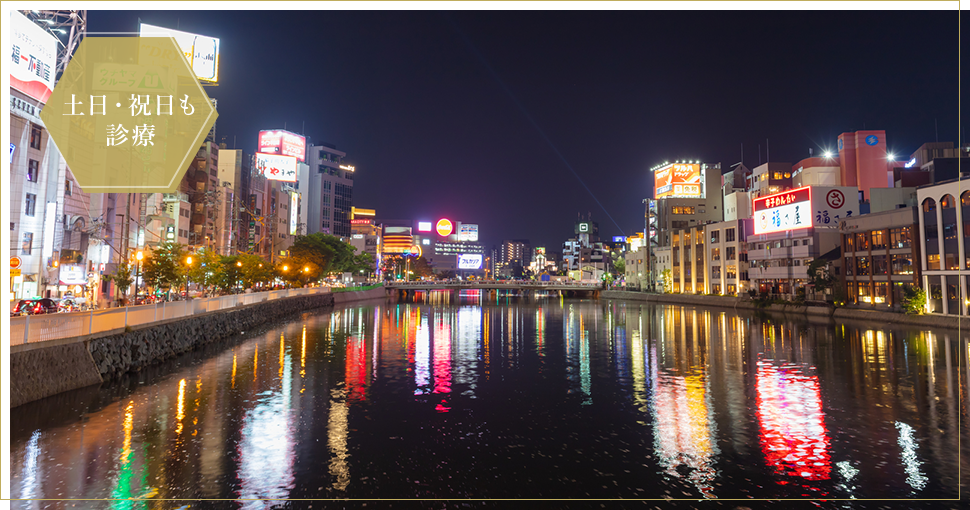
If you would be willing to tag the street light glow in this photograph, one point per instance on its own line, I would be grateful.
(188, 260)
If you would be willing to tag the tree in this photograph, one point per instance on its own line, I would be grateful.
(819, 274)
(421, 268)
(619, 266)
(122, 279)
(363, 263)
(206, 268)
(914, 300)
(667, 277)
(161, 269)
(254, 270)
(231, 273)
(327, 252)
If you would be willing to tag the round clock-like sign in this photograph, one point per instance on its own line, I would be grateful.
(444, 227)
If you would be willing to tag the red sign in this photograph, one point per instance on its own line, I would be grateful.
(803, 194)
(282, 142)
(444, 227)
(360, 222)
(835, 199)
(15, 262)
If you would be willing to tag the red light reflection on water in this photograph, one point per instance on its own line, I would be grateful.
(355, 369)
(793, 435)
(442, 363)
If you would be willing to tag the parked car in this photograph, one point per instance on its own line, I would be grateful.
(36, 306)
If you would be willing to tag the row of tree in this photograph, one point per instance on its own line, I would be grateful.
(311, 258)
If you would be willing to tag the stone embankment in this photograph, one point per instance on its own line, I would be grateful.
(48, 368)
(836, 313)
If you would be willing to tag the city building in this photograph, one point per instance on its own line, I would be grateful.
(329, 191)
(515, 252)
(727, 259)
(635, 269)
(943, 210)
(790, 230)
(817, 171)
(879, 257)
(365, 236)
(864, 161)
(686, 194)
(770, 178)
(584, 257)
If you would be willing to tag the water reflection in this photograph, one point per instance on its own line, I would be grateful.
(473, 395)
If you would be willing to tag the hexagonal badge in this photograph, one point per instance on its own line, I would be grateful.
(128, 115)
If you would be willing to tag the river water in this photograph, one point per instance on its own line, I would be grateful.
(463, 397)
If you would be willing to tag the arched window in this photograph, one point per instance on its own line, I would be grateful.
(947, 202)
(929, 205)
(965, 199)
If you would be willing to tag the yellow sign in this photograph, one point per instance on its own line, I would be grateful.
(14, 272)
(125, 121)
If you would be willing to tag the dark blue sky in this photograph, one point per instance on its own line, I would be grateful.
(489, 117)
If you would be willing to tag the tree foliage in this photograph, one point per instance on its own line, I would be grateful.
(231, 274)
(161, 269)
(254, 270)
(122, 279)
(667, 277)
(206, 268)
(326, 252)
(914, 300)
(819, 274)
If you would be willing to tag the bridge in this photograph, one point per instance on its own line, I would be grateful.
(568, 288)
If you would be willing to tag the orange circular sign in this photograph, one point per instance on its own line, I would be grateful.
(444, 227)
(15, 262)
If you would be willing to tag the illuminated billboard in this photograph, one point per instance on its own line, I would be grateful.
(470, 261)
(424, 226)
(276, 167)
(201, 51)
(467, 232)
(444, 227)
(619, 239)
(34, 58)
(808, 206)
(282, 142)
(294, 209)
(683, 180)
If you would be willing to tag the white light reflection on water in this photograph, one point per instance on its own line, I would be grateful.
(422, 357)
(466, 348)
(30, 483)
(266, 449)
(911, 463)
(337, 439)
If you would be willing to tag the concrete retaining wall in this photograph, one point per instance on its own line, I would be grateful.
(737, 303)
(44, 369)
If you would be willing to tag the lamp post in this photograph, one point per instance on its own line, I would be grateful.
(188, 263)
(138, 256)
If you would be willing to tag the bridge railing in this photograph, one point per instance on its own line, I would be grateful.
(497, 283)
(54, 326)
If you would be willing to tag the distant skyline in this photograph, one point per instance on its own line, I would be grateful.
(516, 120)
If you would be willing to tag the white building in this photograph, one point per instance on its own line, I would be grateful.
(727, 257)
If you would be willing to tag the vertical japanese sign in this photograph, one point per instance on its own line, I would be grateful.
(32, 58)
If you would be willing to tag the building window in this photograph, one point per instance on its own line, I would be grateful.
(862, 241)
(947, 202)
(682, 209)
(862, 266)
(929, 205)
(33, 169)
(731, 253)
(68, 186)
(31, 204)
(878, 240)
(715, 271)
(715, 236)
(28, 243)
(900, 237)
(902, 264)
(951, 261)
(35, 133)
(716, 254)
(729, 235)
(933, 262)
(879, 264)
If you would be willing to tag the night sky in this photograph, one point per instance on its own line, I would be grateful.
(498, 118)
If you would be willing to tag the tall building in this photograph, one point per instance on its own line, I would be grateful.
(864, 160)
(686, 194)
(770, 178)
(584, 257)
(329, 191)
(516, 251)
(365, 235)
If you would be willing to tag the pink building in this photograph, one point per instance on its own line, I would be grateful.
(864, 160)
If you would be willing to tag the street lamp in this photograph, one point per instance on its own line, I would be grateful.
(188, 262)
(138, 256)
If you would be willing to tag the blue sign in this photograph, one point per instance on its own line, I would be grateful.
(872, 140)
(840, 144)
(619, 239)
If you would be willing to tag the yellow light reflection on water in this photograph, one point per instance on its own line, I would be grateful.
(337, 439)
(234, 369)
(127, 425)
(180, 411)
(281, 355)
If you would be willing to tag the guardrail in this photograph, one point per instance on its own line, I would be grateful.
(498, 284)
(41, 328)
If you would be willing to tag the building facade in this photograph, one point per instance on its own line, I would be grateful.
(727, 258)
(329, 191)
(943, 212)
(880, 258)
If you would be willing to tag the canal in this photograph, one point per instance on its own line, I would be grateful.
(458, 397)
